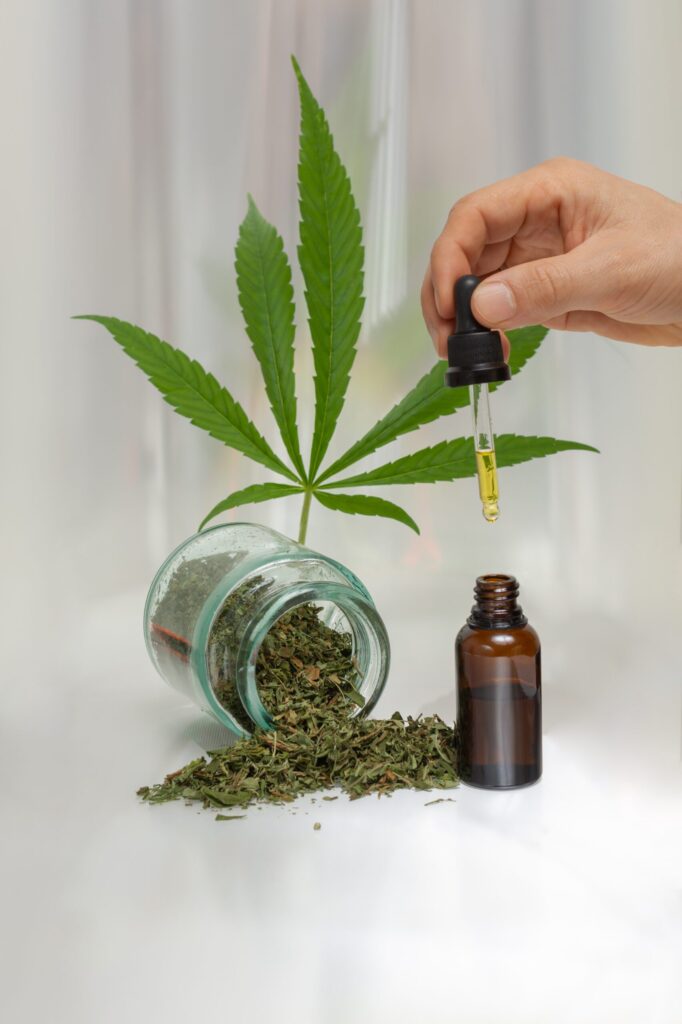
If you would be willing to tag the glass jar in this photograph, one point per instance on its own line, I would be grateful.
(219, 593)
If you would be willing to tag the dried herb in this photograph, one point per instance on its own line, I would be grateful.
(307, 679)
(193, 580)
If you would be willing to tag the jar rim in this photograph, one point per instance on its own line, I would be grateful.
(364, 622)
(360, 611)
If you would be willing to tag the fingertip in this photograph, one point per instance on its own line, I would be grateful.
(506, 346)
(441, 343)
(438, 328)
(448, 262)
(439, 338)
(443, 293)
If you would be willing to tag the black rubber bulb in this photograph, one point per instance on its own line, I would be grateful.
(474, 351)
(466, 322)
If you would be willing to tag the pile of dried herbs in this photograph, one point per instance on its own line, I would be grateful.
(307, 681)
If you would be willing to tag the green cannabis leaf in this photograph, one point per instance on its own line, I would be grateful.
(366, 505)
(331, 258)
(266, 299)
(452, 459)
(251, 496)
(193, 392)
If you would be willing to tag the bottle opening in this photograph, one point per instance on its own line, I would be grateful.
(497, 580)
(496, 603)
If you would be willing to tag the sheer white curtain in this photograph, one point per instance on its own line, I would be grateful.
(133, 132)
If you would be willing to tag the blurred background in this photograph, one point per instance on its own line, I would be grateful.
(133, 130)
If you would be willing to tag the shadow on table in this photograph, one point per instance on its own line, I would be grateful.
(206, 733)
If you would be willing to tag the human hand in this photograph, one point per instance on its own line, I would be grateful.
(566, 245)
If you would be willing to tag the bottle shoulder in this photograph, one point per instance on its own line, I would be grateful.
(498, 642)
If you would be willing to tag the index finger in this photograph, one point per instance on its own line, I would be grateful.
(486, 217)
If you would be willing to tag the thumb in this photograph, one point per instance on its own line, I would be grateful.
(535, 292)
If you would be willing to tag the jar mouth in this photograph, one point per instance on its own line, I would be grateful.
(369, 640)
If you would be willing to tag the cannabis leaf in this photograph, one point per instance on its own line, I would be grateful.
(266, 300)
(331, 259)
(511, 449)
(426, 402)
(452, 459)
(525, 341)
(365, 505)
(192, 391)
(251, 495)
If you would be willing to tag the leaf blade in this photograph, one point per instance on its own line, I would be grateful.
(331, 259)
(365, 505)
(450, 460)
(524, 341)
(429, 400)
(250, 495)
(192, 391)
(512, 449)
(266, 300)
(441, 461)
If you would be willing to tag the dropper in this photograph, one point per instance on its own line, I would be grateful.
(475, 358)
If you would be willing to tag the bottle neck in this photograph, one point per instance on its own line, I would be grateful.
(496, 605)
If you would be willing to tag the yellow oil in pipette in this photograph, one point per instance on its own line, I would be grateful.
(486, 468)
(476, 359)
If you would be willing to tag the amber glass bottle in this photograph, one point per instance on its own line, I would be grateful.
(499, 721)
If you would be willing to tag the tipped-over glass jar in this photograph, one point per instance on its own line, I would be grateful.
(499, 714)
(216, 597)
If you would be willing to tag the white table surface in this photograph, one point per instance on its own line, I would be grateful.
(558, 903)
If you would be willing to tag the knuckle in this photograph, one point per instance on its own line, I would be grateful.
(546, 286)
(626, 277)
(463, 205)
(567, 168)
(558, 162)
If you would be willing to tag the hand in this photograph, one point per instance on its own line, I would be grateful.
(565, 245)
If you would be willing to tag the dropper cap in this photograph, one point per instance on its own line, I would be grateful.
(474, 352)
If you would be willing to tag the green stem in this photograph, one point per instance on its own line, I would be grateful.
(305, 513)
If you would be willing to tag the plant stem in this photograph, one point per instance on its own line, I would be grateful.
(305, 512)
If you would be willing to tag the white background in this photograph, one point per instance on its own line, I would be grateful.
(132, 133)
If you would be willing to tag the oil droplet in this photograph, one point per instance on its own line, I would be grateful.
(491, 511)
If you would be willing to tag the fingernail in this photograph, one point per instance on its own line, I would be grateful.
(494, 302)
